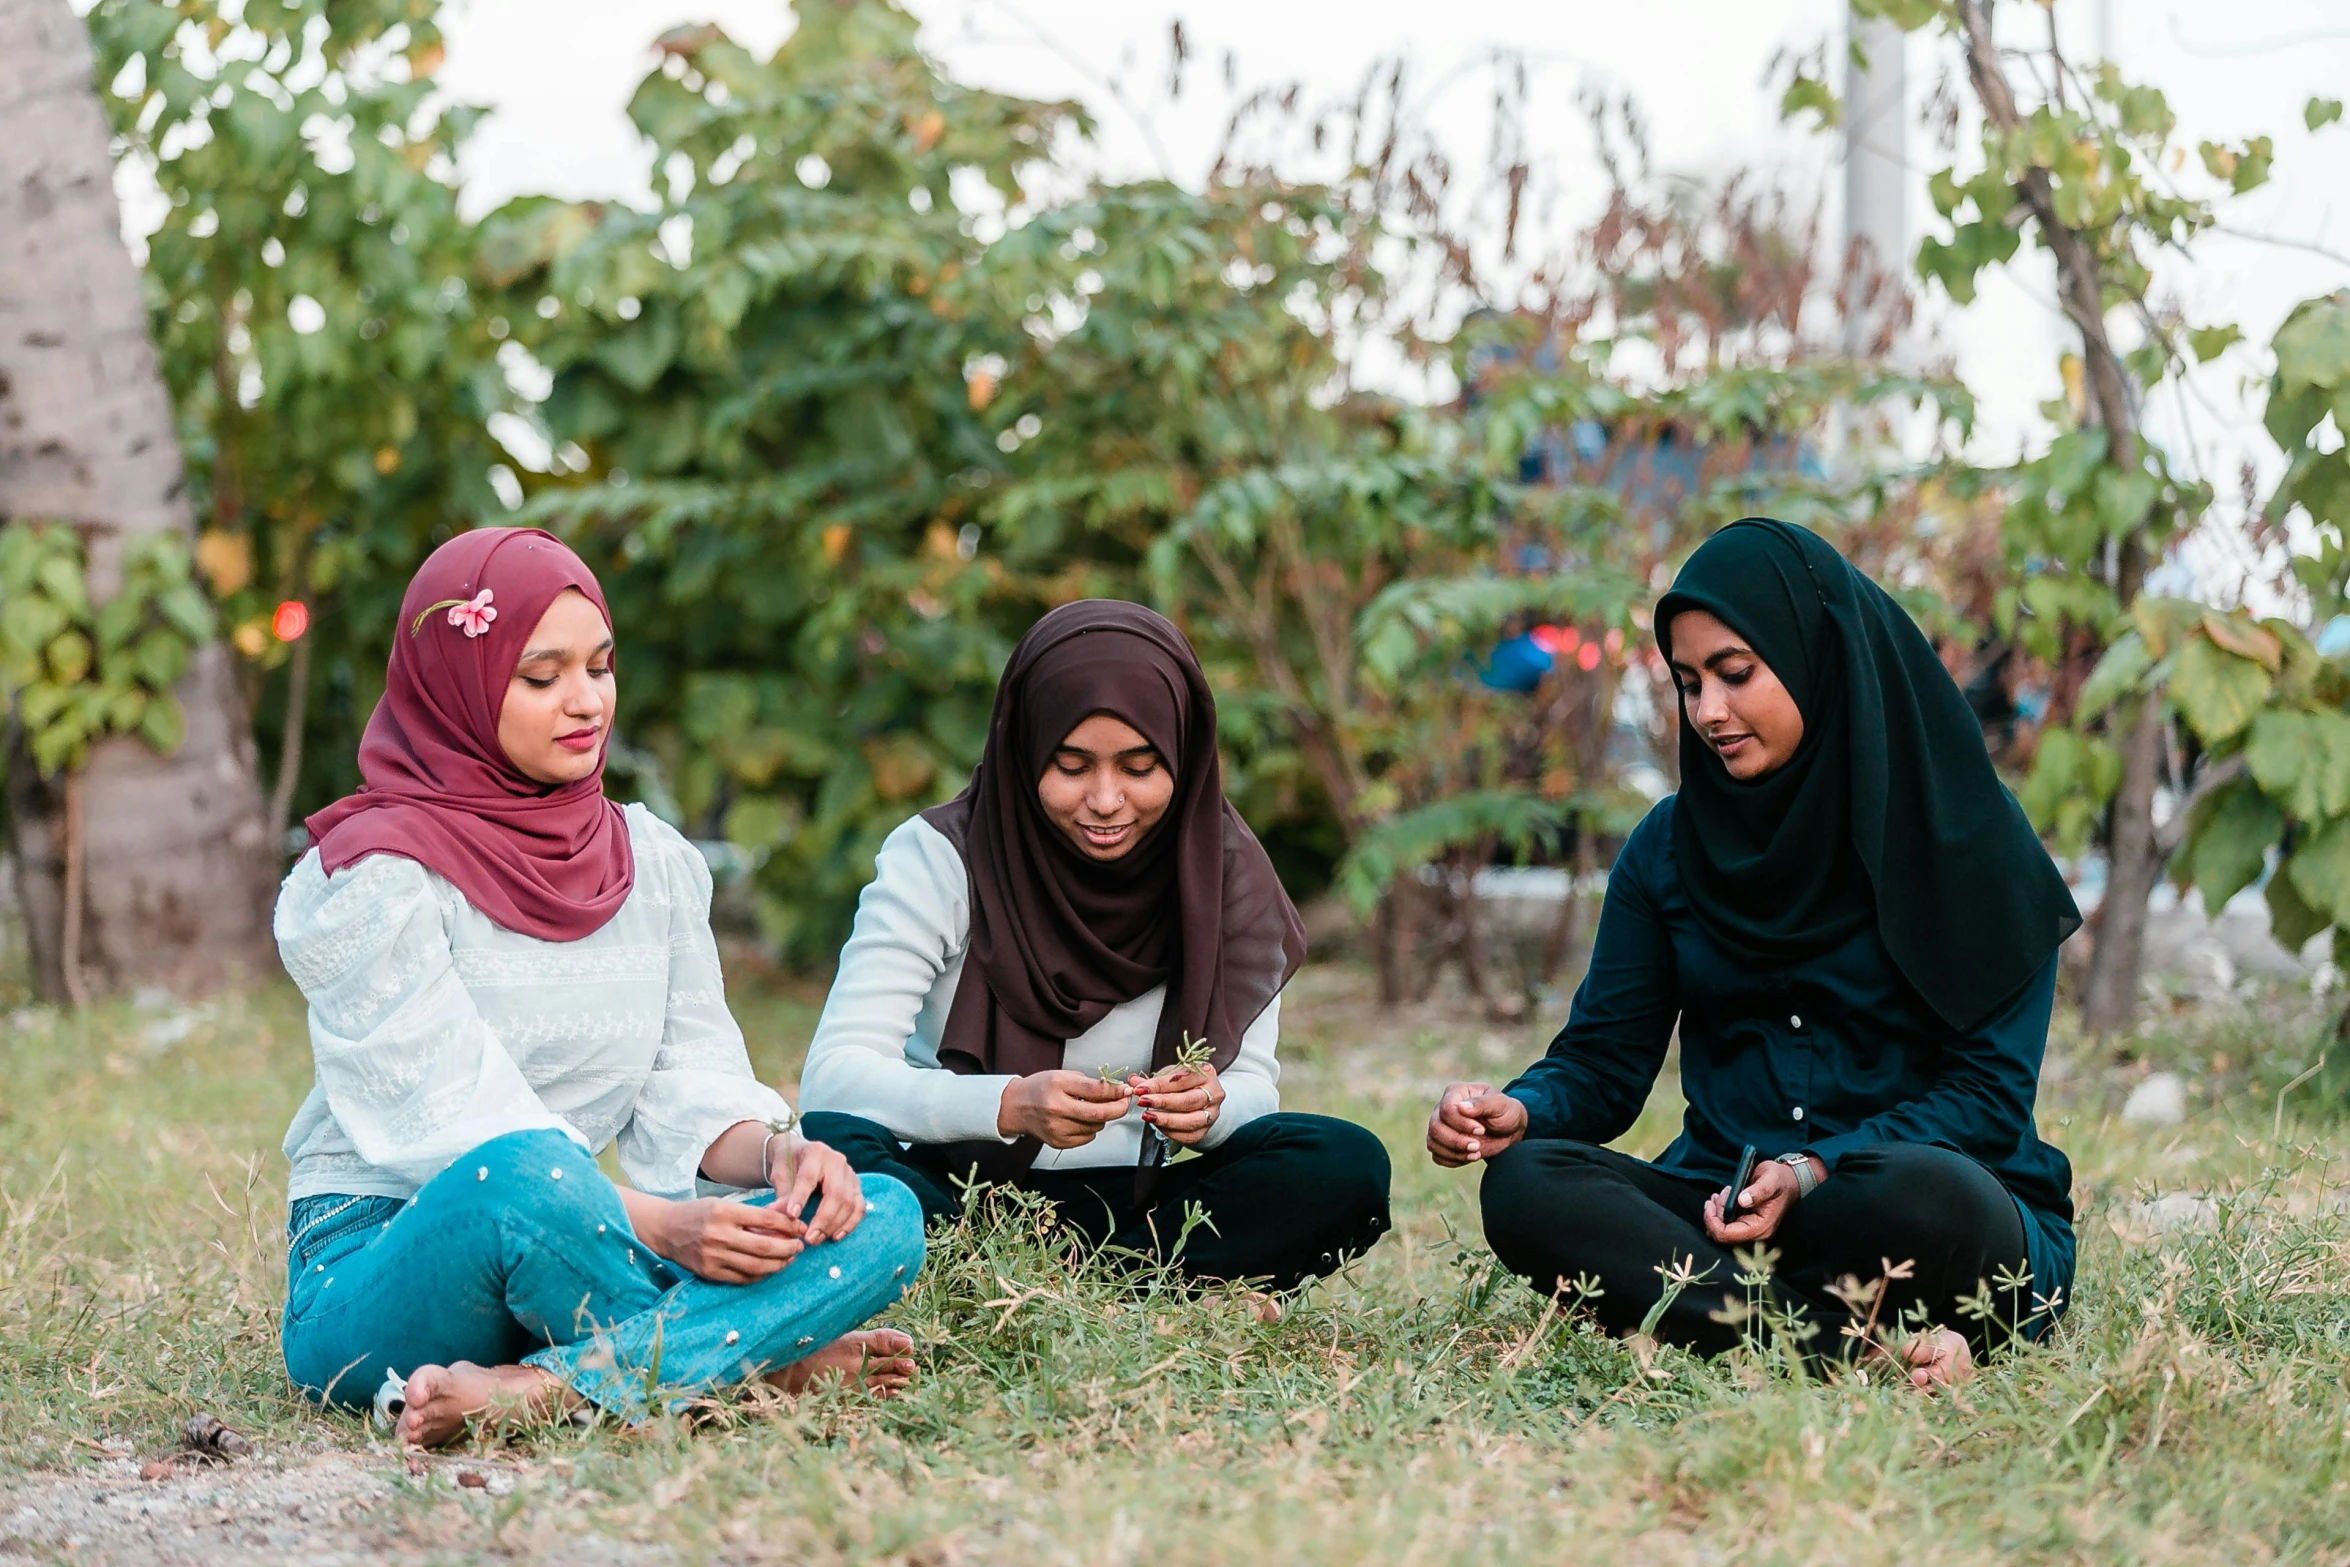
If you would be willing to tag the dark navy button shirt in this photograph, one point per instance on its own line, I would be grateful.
(1830, 1054)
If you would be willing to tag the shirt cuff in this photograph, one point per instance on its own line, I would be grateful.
(1830, 1149)
(1245, 1099)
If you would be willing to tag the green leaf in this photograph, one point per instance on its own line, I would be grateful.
(69, 657)
(2228, 842)
(2321, 112)
(2217, 692)
(2290, 918)
(1808, 94)
(61, 579)
(163, 725)
(29, 622)
(2303, 761)
(2320, 869)
(2313, 346)
(635, 358)
(761, 822)
(2209, 342)
(160, 658)
(2117, 674)
(185, 607)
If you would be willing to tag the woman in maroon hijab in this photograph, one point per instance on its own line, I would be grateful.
(508, 973)
(1075, 965)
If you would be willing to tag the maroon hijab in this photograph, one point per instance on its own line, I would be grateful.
(549, 862)
(1057, 938)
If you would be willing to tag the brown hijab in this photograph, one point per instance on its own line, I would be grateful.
(1057, 938)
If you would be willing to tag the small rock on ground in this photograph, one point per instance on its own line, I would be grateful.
(2161, 1100)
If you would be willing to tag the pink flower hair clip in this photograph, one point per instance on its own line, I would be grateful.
(472, 616)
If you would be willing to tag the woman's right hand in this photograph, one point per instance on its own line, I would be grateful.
(722, 1241)
(1060, 1109)
(1472, 1122)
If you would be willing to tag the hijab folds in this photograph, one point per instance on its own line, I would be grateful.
(548, 861)
(1888, 814)
(1059, 938)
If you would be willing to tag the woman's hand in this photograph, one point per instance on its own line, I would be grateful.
(1059, 1109)
(1183, 1104)
(817, 1168)
(1764, 1204)
(717, 1239)
(1472, 1122)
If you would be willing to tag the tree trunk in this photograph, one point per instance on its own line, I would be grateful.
(176, 867)
(2133, 856)
(2133, 863)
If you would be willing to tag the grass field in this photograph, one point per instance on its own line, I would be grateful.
(2194, 1407)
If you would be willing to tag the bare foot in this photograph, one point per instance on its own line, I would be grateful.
(442, 1400)
(881, 1360)
(1938, 1359)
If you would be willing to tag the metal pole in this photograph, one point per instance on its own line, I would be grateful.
(1876, 178)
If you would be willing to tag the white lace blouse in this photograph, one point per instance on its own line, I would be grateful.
(435, 1030)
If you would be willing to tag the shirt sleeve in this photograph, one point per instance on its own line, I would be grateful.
(1252, 1083)
(913, 922)
(701, 1082)
(1982, 1106)
(410, 1071)
(1594, 1081)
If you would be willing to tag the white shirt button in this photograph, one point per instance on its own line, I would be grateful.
(1795, 1022)
(1799, 1112)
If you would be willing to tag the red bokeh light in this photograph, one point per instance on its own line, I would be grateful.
(1587, 658)
(290, 621)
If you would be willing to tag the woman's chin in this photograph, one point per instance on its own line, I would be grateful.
(563, 767)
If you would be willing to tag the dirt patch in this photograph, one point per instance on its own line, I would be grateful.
(329, 1509)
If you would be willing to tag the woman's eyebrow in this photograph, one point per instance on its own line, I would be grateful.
(604, 646)
(1713, 660)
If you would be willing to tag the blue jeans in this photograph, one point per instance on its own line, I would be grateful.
(521, 1251)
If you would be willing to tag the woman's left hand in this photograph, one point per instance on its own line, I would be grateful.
(1763, 1207)
(1182, 1105)
(818, 1168)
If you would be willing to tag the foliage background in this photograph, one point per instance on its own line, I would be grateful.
(879, 377)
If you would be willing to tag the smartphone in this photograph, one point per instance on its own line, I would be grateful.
(1738, 1184)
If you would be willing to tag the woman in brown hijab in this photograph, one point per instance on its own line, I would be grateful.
(1090, 912)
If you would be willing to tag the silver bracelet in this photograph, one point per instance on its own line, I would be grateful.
(767, 1160)
(1807, 1179)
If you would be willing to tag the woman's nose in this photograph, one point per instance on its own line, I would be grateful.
(1105, 796)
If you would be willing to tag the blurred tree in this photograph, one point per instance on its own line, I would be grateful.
(333, 367)
(785, 387)
(148, 863)
(2080, 159)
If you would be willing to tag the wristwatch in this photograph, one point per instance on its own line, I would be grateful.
(1806, 1177)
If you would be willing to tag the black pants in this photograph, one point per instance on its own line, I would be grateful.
(1558, 1210)
(1290, 1197)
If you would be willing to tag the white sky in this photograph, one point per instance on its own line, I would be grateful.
(558, 74)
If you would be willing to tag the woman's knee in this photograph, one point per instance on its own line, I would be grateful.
(541, 1175)
(1944, 1200)
(892, 1228)
(1354, 1168)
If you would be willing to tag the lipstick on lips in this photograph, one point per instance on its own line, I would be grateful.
(581, 739)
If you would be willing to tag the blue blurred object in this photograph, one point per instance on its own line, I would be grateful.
(2333, 638)
(1517, 665)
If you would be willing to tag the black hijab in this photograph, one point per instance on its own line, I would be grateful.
(1888, 813)
(1059, 938)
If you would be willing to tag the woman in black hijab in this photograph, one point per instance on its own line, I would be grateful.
(1074, 967)
(1854, 930)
